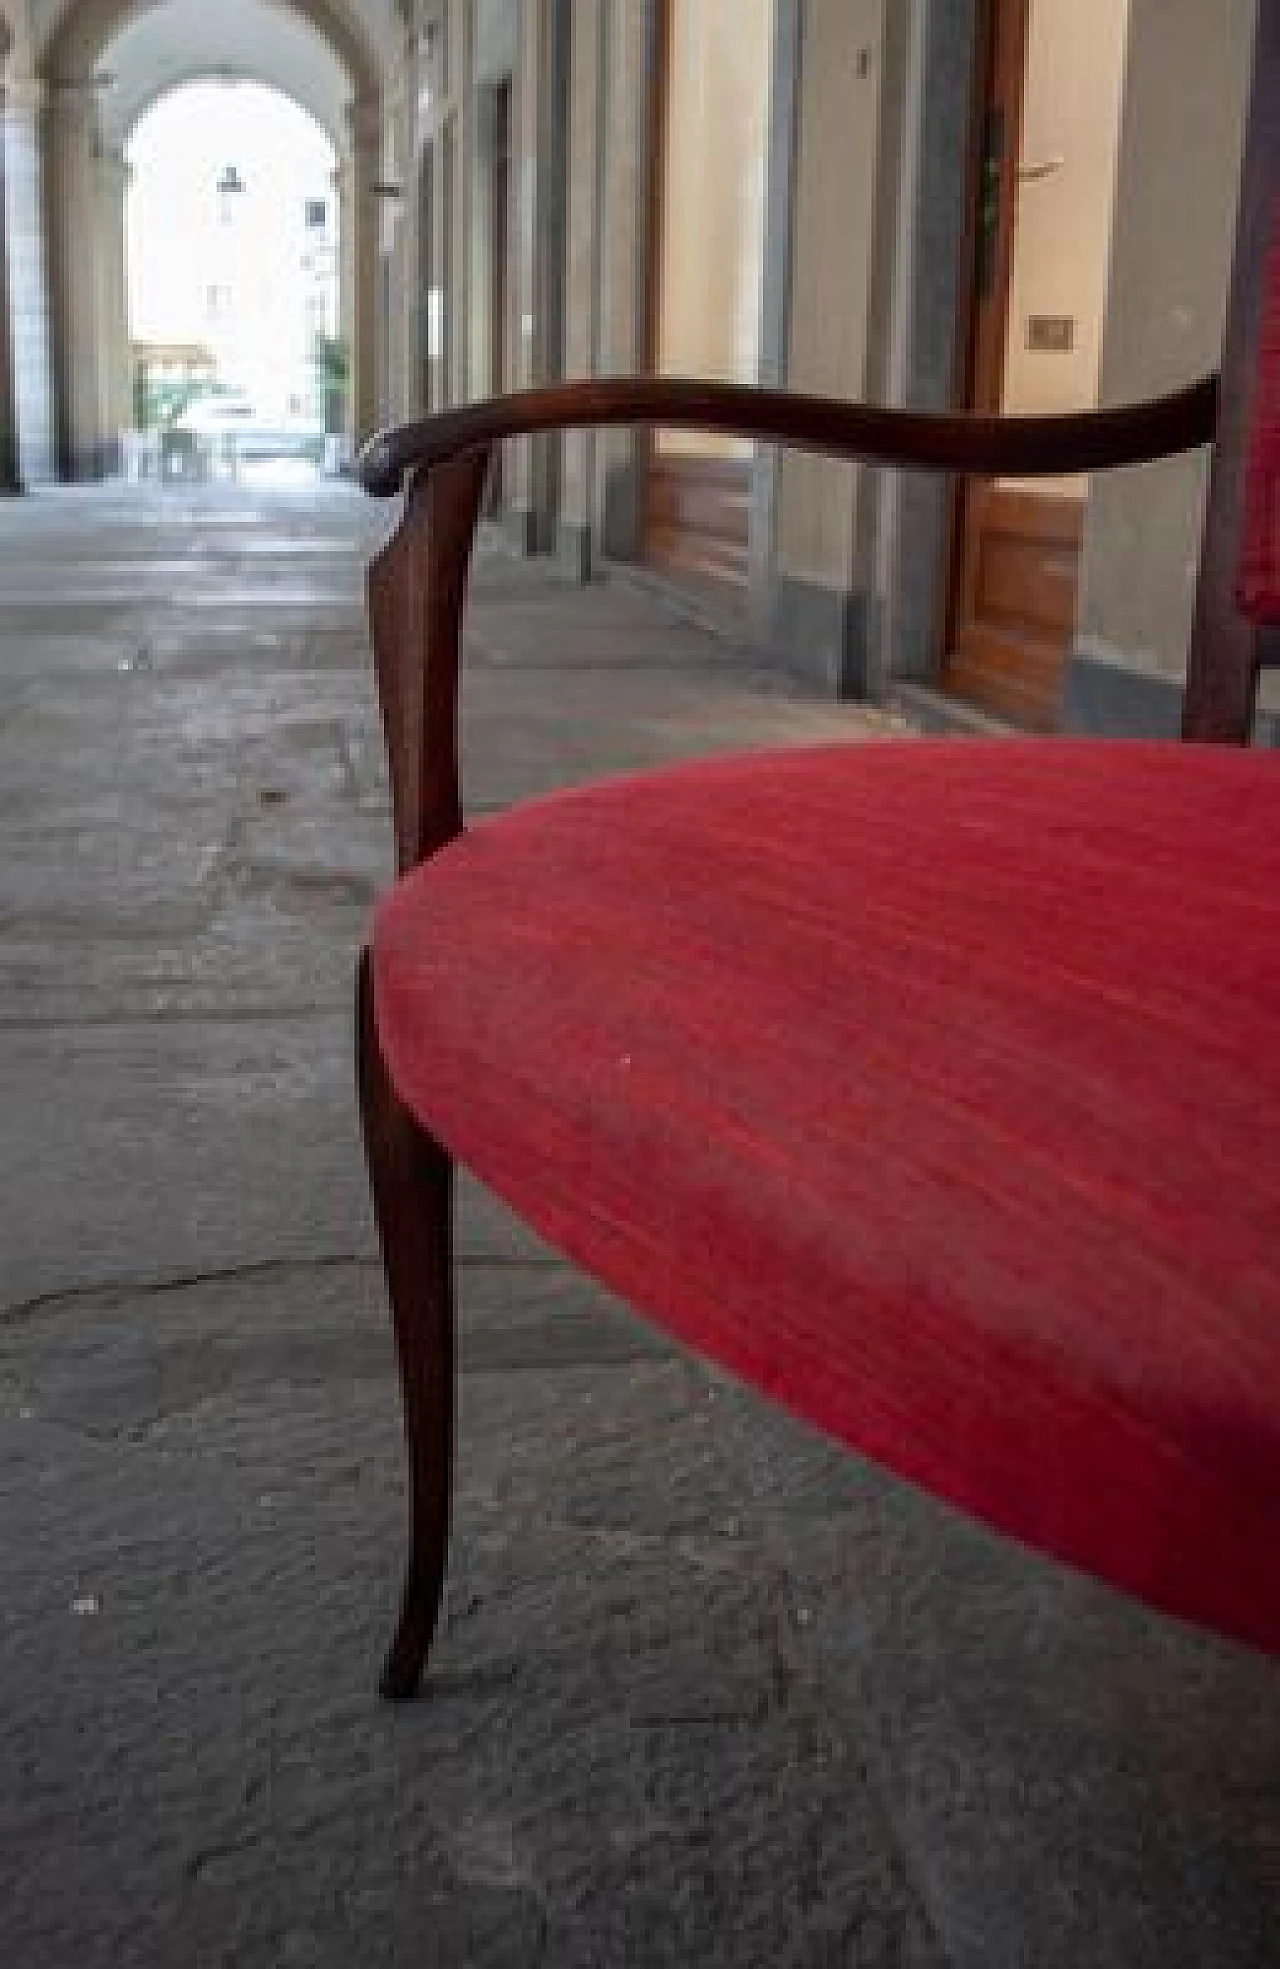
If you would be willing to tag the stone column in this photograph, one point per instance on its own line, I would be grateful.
(551, 55)
(923, 355)
(627, 114)
(582, 278)
(539, 154)
(397, 231)
(522, 276)
(10, 472)
(406, 397)
(448, 364)
(459, 79)
(346, 287)
(844, 182)
(113, 307)
(1171, 243)
(72, 138)
(26, 284)
(775, 302)
(363, 226)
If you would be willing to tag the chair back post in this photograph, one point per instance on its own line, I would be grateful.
(1222, 663)
(417, 589)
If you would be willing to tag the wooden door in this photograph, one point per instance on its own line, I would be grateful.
(696, 515)
(1015, 569)
(1016, 605)
(705, 260)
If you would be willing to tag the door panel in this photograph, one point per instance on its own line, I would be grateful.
(499, 248)
(1017, 608)
(698, 514)
(1050, 124)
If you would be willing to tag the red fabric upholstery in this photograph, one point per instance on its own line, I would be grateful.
(932, 1087)
(1259, 585)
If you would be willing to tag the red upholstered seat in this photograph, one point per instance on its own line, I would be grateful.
(934, 1088)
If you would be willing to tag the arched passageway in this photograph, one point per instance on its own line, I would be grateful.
(101, 64)
(233, 305)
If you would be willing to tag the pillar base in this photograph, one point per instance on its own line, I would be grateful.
(1105, 699)
(573, 550)
(519, 525)
(95, 463)
(822, 634)
(1114, 700)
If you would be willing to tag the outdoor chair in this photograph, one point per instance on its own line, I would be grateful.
(930, 1087)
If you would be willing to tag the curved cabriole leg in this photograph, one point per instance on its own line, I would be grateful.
(412, 1182)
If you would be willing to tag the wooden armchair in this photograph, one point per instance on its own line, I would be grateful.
(931, 1088)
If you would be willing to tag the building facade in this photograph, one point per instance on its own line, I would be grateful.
(998, 204)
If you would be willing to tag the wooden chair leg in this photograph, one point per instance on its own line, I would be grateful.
(412, 1182)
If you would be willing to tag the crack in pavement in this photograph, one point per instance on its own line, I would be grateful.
(117, 1293)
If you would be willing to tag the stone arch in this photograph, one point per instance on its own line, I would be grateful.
(140, 107)
(85, 181)
(82, 30)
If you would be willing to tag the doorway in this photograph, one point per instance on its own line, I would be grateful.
(1045, 187)
(705, 271)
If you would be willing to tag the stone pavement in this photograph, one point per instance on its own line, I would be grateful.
(709, 1693)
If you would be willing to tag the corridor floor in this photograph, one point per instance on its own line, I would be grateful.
(708, 1693)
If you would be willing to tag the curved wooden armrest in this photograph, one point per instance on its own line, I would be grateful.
(417, 583)
(1024, 447)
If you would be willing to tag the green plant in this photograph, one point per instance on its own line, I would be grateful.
(333, 363)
